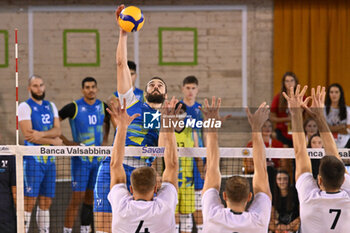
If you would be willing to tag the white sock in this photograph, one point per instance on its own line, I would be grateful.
(85, 229)
(43, 220)
(67, 230)
(27, 216)
(199, 228)
(177, 227)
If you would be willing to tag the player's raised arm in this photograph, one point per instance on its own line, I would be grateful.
(296, 105)
(124, 81)
(317, 112)
(123, 120)
(213, 175)
(256, 121)
(168, 139)
(171, 160)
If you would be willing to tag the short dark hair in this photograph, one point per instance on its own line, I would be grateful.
(237, 189)
(166, 88)
(88, 79)
(132, 65)
(332, 172)
(143, 180)
(189, 80)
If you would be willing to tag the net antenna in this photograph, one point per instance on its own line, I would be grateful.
(16, 56)
(19, 157)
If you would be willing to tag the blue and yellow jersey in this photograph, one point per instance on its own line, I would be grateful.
(42, 117)
(137, 92)
(185, 139)
(87, 123)
(193, 112)
(136, 134)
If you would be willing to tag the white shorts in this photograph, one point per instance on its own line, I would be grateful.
(198, 199)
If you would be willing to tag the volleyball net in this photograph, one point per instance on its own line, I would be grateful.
(57, 172)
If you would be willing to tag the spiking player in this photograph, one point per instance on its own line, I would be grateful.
(137, 135)
(89, 123)
(141, 211)
(237, 194)
(323, 207)
(39, 123)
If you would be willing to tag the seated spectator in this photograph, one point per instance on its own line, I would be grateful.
(279, 110)
(310, 128)
(338, 115)
(316, 143)
(285, 205)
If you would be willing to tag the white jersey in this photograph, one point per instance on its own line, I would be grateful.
(321, 211)
(131, 216)
(219, 219)
(333, 119)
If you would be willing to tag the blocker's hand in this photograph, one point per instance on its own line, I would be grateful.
(168, 111)
(317, 106)
(260, 116)
(295, 99)
(212, 112)
(119, 114)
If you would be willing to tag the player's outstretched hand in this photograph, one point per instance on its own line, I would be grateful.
(117, 13)
(169, 113)
(260, 116)
(119, 114)
(317, 106)
(296, 100)
(211, 112)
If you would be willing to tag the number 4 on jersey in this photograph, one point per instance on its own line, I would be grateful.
(138, 230)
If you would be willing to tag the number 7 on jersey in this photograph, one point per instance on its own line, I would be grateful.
(338, 211)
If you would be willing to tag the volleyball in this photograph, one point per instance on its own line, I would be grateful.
(131, 19)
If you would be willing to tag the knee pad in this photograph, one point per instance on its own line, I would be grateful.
(186, 222)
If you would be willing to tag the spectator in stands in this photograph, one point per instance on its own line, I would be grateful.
(315, 142)
(279, 110)
(310, 128)
(285, 205)
(338, 115)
